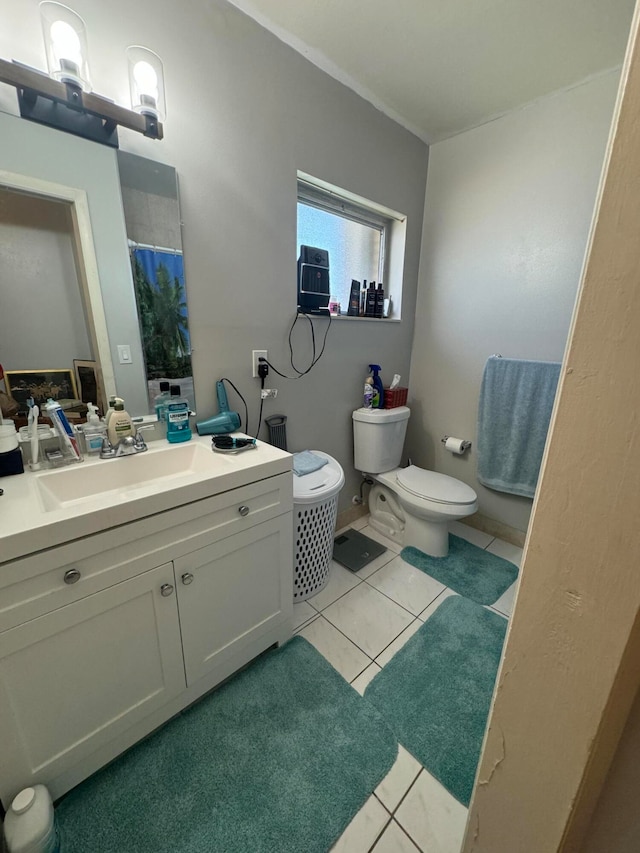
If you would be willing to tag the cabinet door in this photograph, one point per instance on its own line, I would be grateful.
(231, 592)
(78, 677)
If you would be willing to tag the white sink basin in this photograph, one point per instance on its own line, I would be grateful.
(127, 477)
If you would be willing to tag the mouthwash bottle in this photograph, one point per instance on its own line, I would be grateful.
(177, 417)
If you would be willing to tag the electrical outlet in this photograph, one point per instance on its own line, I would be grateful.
(255, 355)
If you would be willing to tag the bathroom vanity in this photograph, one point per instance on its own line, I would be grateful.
(128, 593)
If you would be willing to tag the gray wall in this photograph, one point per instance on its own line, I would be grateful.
(508, 209)
(244, 113)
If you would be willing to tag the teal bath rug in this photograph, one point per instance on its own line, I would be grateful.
(467, 569)
(436, 691)
(278, 760)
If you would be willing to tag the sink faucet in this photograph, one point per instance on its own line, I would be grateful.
(127, 446)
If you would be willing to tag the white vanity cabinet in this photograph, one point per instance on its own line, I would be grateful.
(104, 638)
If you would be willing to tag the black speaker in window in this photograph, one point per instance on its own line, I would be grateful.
(313, 280)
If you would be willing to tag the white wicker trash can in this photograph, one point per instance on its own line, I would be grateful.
(315, 508)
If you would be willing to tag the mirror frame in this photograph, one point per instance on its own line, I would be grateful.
(86, 265)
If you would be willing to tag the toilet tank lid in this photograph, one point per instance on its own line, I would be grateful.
(385, 416)
(436, 487)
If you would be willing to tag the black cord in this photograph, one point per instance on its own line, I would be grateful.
(261, 405)
(246, 410)
(314, 359)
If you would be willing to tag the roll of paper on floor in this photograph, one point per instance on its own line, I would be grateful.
(455, 445)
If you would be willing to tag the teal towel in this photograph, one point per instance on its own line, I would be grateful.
(306, 462)
(516, 400)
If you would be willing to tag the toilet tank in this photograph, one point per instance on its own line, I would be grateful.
(378, 438)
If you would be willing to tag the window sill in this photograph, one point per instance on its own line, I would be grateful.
(352, 318)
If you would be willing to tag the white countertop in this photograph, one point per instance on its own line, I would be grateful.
(26, 526)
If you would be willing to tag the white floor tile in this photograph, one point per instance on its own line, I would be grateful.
(464, 531)
(372, 533)
(507, 551)
(341, 580)
(432, 817)
(407, 586)
(514, 554)
(360, 683)
(394, 840)
(364, 829)
(302, 612)
(385, 656)
(435, 604)
(368, 618)
(398, 780)
(506, 601)
(359, 523)
(343, 656)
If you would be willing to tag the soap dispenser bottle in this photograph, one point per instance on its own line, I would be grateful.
(94, 431)
(177, 417)
(120, 424)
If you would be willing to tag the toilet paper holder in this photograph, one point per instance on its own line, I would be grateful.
(465, 444)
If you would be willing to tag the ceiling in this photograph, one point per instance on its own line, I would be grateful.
(439, 67)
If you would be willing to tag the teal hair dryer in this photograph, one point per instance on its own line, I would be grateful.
(224, 422)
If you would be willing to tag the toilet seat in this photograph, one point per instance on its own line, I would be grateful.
(435, 487)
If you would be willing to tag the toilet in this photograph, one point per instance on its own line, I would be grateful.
(410, 505)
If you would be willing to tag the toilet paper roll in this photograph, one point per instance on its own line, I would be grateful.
(455, 445)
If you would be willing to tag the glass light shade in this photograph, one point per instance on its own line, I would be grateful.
(65, 40)
(146, 82)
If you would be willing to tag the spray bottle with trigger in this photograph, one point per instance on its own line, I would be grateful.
(224, 422)
(378, 390)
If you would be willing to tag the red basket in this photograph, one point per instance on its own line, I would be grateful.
(394, 397)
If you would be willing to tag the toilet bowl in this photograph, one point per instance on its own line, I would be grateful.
(410, 505)
(413, 507)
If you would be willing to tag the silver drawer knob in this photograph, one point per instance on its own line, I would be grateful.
(243, 510)
(72, 576)
(166, 589)
(187, 578)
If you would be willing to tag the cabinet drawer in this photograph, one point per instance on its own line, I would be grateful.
(42, 582)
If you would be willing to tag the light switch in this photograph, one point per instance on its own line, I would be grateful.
(124, 353)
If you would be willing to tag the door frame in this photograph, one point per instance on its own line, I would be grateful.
(571, 664)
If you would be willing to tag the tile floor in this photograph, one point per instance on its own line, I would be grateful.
(358, 622)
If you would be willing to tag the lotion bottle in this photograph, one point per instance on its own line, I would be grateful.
(109, 412)
(120, 424)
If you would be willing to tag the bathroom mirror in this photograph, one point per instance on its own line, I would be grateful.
(53, 339)
(152, 219)
(82, 293)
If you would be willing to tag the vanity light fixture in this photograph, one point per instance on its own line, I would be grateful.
(64, 99)
(146, 82)
(65, 41)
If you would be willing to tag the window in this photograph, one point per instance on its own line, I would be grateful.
(357, 236)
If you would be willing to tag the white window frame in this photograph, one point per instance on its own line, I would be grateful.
(317, 193)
